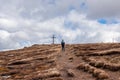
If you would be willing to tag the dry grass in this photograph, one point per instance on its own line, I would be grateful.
(102, 64)
(3, 69)
(98, 73)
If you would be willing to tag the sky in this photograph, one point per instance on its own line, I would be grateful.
(27, 22)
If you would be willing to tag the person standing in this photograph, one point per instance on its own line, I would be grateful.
(63, 45)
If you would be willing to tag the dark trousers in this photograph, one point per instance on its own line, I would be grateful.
(63, 48)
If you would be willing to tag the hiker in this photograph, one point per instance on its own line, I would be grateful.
(63, 45)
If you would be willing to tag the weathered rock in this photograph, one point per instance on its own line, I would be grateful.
(70, 73)
(103, 75)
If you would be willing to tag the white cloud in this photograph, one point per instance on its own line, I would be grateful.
(103, 8)
(94, 31)
(8, 23)
(4, 34)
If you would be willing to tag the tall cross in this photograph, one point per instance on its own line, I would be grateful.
(53, 37)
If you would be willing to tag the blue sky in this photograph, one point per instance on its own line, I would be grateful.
(28, 22)
(102, 21)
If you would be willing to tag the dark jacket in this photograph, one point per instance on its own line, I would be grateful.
(62, 43)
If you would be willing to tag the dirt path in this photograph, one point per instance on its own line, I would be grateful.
(67, 61)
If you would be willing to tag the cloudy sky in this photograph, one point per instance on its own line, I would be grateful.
(27, 22)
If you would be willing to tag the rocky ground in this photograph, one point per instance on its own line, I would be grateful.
(47, 62)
